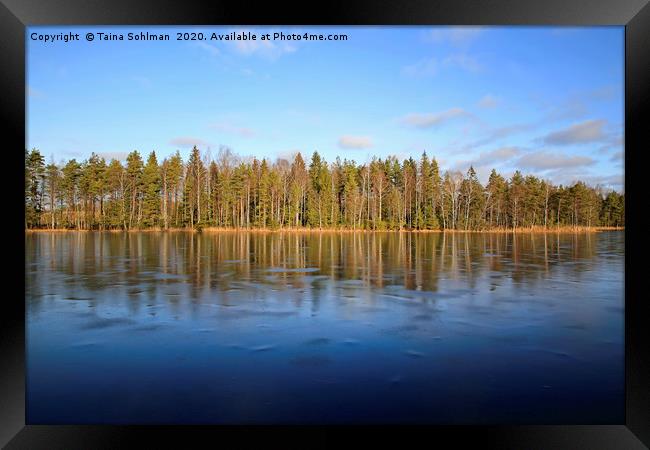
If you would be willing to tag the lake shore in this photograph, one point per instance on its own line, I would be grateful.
(533, 230)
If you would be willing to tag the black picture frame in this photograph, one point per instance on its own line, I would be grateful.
(15, 15)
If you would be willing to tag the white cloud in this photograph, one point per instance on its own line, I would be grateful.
(488, 101)
(614, 142)
(497, 134)
(357, 142)
(429, 120)
(422, 68)
(486, 161)
(612, 181)
(579, 104)
(186, 142)
(617, 157)
(289, 154)
(120, 156)
(543, 160)
(580, 133)
(502, 153)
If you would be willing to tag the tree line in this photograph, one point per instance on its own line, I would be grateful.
(232, 192)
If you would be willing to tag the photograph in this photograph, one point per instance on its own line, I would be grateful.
(325, 225)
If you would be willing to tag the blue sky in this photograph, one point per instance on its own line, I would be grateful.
(544, 100)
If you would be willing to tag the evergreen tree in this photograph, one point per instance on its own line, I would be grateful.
(53, 182)
(516, 191)
(426, 214)
(70, 189)
(34, 183)
(613, 210)
(193, 188)
(298, 190)
(351, 196)
(263, 206)
(496, 200)
(319, 192)
(116, 185)
(151, 184)
(231, 192)
(134, 167)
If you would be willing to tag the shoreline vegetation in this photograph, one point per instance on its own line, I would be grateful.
(563, 230)
(231, 193)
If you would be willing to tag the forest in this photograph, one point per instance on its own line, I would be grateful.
(234, 192)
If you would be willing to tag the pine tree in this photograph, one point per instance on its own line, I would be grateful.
(116, 185)
(70, 188)
(134, 187)
(151, 184)
(425, 215)
(473, 200)
(263, 195)
(298, 190)
(193, 192)
(496, 191)
(319, 188)
(516, 190)
(175, 177)
(53, 182)
(34, 181)
(378, 177)
(95, 188)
